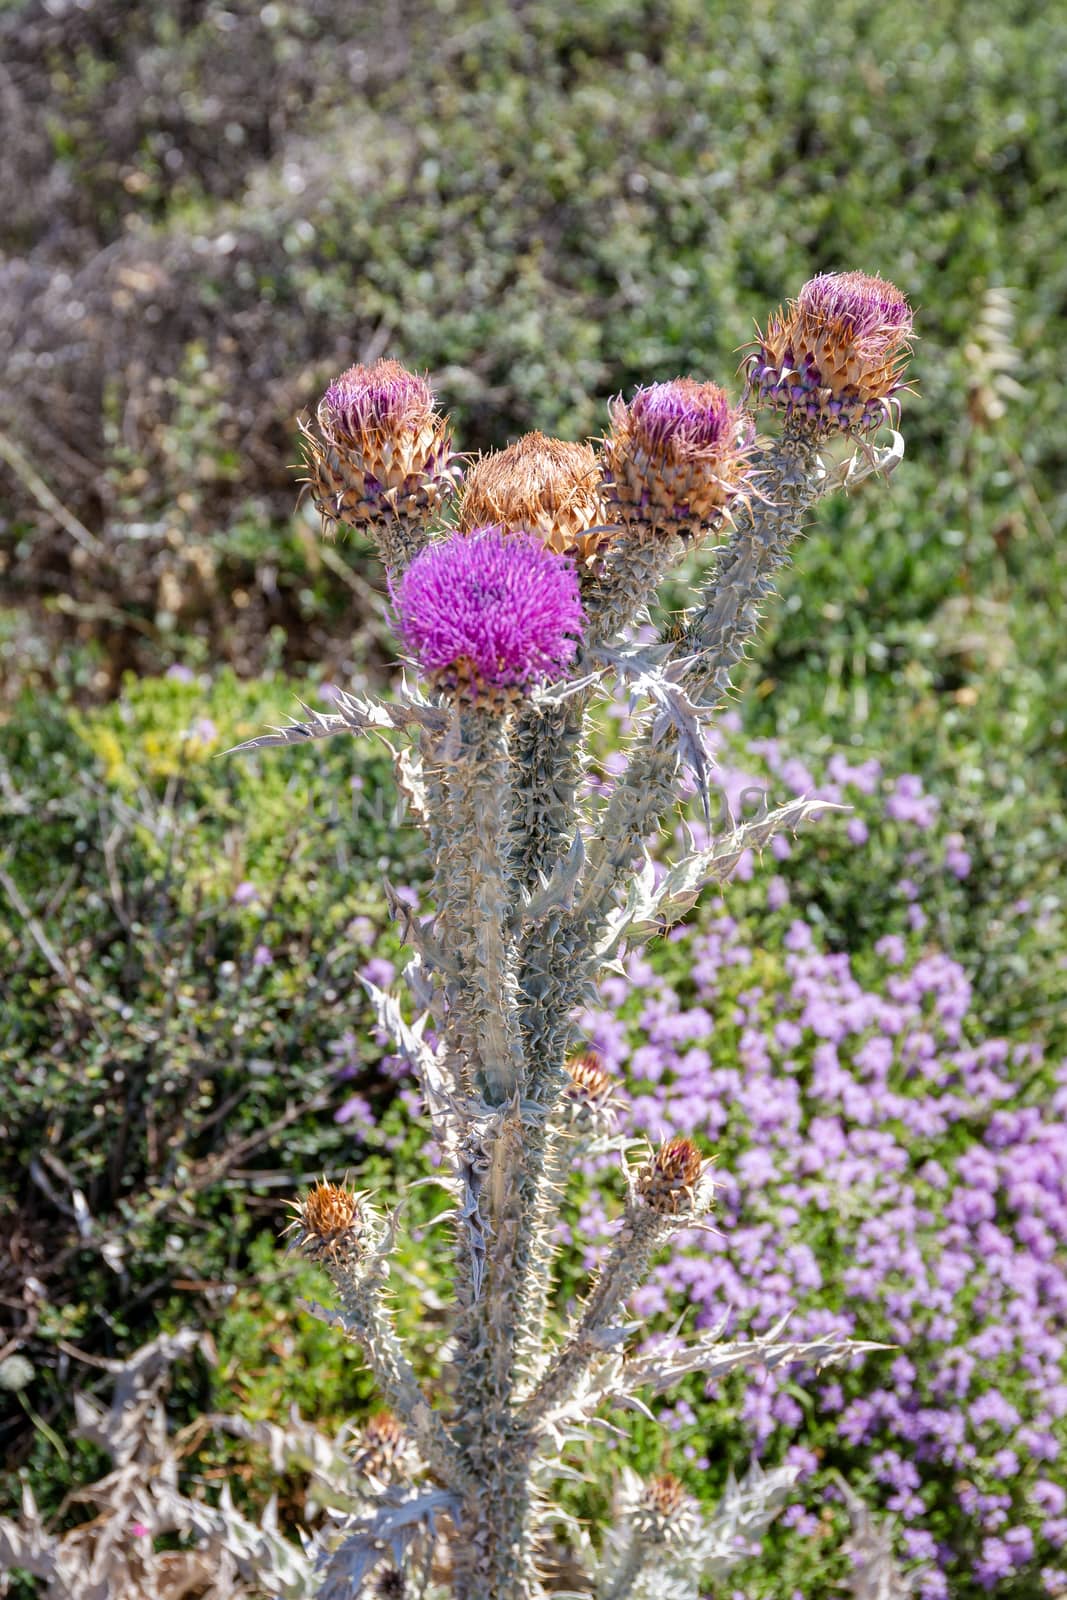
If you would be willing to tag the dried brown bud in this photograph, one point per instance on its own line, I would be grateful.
(328, 1221)
(383, 1449)
(665, 1496)
(589, 1104)
(675, 1181)
(550, 487)
(589, 1081)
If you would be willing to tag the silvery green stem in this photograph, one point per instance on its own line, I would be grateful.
(626, 1575)
(362, 1287)
(626, 580)
(643, 1231)
(561, 1152)
(785, 484)
(548, 742)
(476, 891)
(493, 1549)
(399, 538)
(548, 751)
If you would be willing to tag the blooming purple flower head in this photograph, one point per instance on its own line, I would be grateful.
(833, 358)
(676, 454)
(384, 399)
(490, 610)
(871, 308)
(694, 416)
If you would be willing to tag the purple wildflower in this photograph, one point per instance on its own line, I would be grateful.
(694, 416)
(834, 357)
(383, 399)
(498, 609)
(869, 307)
(677, 452)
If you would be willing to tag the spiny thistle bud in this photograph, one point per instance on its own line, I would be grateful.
(676, 456)
(383, 1450)
(590, 1096)
(381, 450)
(676, 1180)
(550, 487)
(489, 613)
(665, 1495)
(833, 359)
(328, 1224)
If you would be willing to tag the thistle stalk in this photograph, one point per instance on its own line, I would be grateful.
(477, 897)
(786, 480)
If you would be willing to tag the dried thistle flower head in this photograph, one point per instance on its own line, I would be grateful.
(659, 1510)
(490, 612)
(676, 456)
(545, 486)
(589, 1081)
(381, 448)
(676, 1180)
(328, 1221)
(833, 358)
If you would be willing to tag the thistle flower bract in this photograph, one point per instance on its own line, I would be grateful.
(676, 1179)
(490, 611)
(328, 1221)
(675, 456)
(833, 358)
(550, 487)
(381, 449)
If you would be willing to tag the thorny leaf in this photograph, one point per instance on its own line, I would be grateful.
(403, 1517)
(558, 890)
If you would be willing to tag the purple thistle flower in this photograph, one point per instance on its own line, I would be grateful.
(678, 452)
(833, 359)
(499, 609)
(383, 399)
(695, 417)
(869, 307)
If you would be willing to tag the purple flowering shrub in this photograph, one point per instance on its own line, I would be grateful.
(890, 1166)
(889, 1170)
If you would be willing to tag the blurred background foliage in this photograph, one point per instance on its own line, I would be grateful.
(208, 210)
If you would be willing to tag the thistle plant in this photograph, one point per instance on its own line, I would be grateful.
(515, 594)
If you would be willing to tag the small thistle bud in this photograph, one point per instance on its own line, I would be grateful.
(590, 1095)
(381, 451)
(666, 1514)
(488, 614)
(676, 1179)
(328, 1224)
(589, 1081)
(383, 1450)
(665, 1496)
(833, 358)
(676, 457)
(550, 487)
